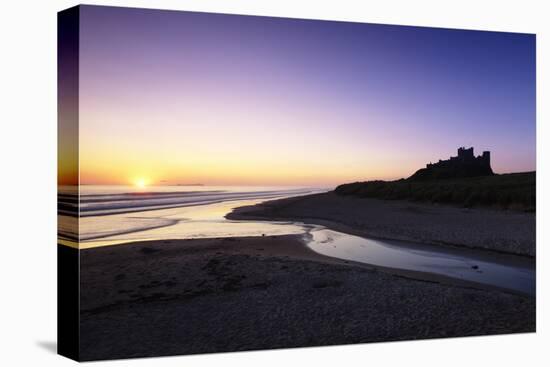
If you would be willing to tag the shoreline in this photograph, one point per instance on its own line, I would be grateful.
(503, 232)
(189, 296)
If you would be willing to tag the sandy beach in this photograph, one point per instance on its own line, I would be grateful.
(505, 231)
(216, 295)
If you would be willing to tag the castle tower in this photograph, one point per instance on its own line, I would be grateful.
(464, 153)
(486, 158)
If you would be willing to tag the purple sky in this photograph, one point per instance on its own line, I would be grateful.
(223, 99)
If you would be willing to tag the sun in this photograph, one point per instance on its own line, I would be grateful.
(140, 183)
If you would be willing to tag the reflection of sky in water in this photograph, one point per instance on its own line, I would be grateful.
(517, 274)
(207, 221)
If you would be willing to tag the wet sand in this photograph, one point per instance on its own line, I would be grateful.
(217, 295)
(505, 231)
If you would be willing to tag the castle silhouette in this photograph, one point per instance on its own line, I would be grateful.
(465, 164)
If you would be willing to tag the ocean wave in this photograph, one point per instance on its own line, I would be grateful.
(127, 202)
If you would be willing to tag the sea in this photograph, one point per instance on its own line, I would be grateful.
(109, 215)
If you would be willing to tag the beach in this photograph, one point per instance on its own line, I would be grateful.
(233, 294)
(202, 295)
(505, 231)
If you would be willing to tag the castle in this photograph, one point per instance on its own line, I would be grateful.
(465, 164)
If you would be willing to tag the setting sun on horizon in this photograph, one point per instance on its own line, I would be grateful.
(141, 182)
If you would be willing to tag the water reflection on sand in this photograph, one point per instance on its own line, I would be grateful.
(204, 221)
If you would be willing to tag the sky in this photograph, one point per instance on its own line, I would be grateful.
(179, 97)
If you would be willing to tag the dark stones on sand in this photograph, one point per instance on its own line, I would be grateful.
(326, 283)
(148, 250)
(262, 285)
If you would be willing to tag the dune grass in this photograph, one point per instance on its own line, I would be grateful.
(514, 191)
